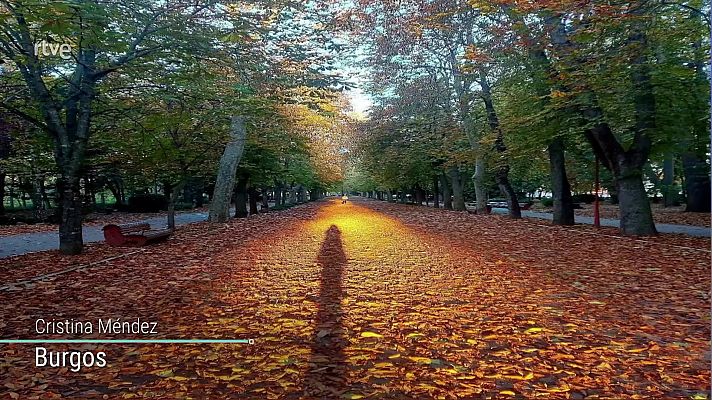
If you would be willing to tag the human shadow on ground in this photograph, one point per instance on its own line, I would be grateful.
(325, 377)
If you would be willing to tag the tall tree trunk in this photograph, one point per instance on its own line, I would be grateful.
(241, 198)
(265, 199)
(668, 183)
(502, 172)
(419, 195)
(220, 206)
(199, 199)
(458, 194)
(478, 180)
(462, 83)
(173, 193)
(300, 194)
(292, 194)
(314, 193)
(635, 212)
(447, 193)
(253, 200)
(70, 223)
(543, 76)
(563, 202)
(37, 201)
(436, 192)
(697, 183)
(696, 169)
(277, 193)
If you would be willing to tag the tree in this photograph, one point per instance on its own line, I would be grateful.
(64, 92)
(220, 206)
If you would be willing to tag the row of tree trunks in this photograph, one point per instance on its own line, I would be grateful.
(626, 165)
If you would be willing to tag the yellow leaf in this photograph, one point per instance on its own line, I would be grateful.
(352, 396)
(423, 360)
(508, 392)
(414, 334)
(392, 356)
(637, 350)
(164, 374)
(371, 334)
(534, 330)
(560, 389)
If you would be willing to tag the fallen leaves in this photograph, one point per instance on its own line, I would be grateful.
(408, 303)
(371, 335)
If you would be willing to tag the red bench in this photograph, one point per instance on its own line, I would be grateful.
(134, 234)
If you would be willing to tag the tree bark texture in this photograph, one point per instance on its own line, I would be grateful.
(220, 205)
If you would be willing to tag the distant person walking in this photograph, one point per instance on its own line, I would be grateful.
(344, 198)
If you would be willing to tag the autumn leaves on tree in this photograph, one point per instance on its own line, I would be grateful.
(516, 88)
(149, 100)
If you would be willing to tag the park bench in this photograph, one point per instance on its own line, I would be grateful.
(503, 204)
(134, 234)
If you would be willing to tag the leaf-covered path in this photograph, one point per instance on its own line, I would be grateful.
(376, 300)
